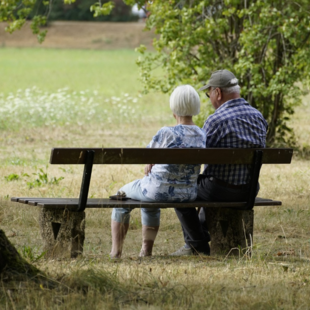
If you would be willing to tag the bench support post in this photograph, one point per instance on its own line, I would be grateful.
(257, 164)
(63, 232)
(86, 180)
(231, 231)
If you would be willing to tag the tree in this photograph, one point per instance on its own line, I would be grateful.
(14, 267)
(16, 12)
(264, 42)
(80, 11)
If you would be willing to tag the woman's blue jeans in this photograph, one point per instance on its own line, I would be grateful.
(149, 217)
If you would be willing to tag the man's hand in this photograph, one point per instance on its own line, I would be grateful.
(148, 168)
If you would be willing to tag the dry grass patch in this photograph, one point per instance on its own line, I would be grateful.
(82, 35)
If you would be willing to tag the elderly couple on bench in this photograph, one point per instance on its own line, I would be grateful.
(235, 124)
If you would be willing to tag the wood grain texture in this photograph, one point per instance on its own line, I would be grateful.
(72, 203)
(119, 156)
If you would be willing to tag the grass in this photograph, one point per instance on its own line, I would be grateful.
(275, 277)
(52, 69)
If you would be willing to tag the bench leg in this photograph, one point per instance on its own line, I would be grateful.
(231, 230)
(63, 232)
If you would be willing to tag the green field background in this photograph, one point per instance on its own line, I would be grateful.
(110, 72)
(105, 80)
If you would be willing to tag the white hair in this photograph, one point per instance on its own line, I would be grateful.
(185, 101)
(230, 90)
(233, 81)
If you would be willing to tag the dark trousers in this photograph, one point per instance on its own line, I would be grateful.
(195, 230)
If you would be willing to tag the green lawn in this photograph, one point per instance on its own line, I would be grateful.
(109, 72)
(43, 87)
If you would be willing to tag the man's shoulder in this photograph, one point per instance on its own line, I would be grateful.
(239, 104)
(231, 111)
(251, 112)
(234, 108)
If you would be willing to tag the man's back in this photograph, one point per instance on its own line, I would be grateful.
(235, 124)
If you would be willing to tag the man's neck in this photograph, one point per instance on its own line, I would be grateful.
(228, 97)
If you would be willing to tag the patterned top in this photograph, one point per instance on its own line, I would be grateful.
(235, 124)
(170, 182)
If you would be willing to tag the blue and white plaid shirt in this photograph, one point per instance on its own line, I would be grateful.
(235, 124)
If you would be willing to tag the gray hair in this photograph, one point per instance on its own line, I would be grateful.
(230, 90)
(185, 101)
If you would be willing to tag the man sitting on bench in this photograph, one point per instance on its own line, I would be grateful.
(235, 124)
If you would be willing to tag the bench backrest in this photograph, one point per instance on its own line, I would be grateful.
(77, 156)
(90, 156)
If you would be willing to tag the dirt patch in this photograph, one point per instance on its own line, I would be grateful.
(88, 35)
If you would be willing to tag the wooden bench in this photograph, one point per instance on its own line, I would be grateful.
(62, 220)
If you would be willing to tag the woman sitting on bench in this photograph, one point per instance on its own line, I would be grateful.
(163, 182)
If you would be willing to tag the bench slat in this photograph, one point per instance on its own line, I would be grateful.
(72, 203)
(169, 156)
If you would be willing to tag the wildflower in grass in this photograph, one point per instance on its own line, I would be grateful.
(34, 107)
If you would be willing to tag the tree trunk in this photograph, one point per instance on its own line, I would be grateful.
(15, 268)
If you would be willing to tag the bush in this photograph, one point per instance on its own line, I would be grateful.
(265, 43)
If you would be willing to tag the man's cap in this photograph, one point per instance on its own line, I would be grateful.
(221, 78)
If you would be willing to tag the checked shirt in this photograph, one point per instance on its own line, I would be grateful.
(235, 124)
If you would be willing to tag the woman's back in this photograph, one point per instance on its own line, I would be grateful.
(172, 182)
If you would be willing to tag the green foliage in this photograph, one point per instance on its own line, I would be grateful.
(28, 253)
(265, 43)
(205, 111)
(12, 177)
(85, 10)
(140, 3)
(304, 151)
(42, 179)
(15, 13)
(100, 9)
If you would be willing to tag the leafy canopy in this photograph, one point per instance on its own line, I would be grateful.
(16, 12)
(265, 43)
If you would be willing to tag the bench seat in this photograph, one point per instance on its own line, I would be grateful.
(72, 203)
(63, 227)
